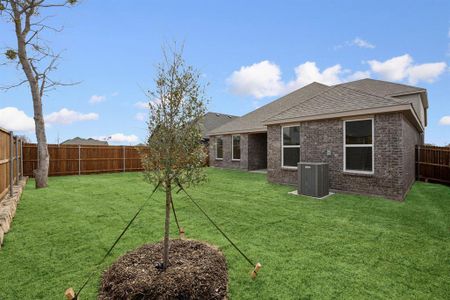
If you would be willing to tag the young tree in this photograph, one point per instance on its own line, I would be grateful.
(174, 154)
(37, 61)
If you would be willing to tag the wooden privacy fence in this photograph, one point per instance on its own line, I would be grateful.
(11, 163)
(83, 159)
(433, 163)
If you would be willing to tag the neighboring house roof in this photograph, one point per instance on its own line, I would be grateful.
(318, 101)
(212, 120)
(253, 121)
(81, 141)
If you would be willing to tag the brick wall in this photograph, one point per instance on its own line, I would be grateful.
(227, 162)
(316, 137)
(410, 139)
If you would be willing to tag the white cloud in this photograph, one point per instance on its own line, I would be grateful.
(66, 116)
(402, 67)
(140, 116)
(119, 138)
(97, 99)
(14, 119)
(358, 75)
(362, 43)
(114, 94)
(392, 69)
(141, 105)
(358, 42)
(258, 80)
(309, 72)
(263, 79)
(146, 105)
(445, 120)
(426, 72)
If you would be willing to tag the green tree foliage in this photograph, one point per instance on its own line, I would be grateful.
(174, 154)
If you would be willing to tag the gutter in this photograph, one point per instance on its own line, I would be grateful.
(260, 130)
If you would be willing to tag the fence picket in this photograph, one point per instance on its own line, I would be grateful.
(433, 163)
(78, 160)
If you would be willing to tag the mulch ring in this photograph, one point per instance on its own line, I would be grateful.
(196, 271)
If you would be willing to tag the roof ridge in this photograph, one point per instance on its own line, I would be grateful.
(386, 82)
(284, 96)
(272, 102)
(396, 83)
(369, 93)
(303, 102)
(218, 113)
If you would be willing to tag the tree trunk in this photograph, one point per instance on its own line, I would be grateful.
(167, 226)
(41, 174)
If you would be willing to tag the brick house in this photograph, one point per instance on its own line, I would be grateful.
(366, 130)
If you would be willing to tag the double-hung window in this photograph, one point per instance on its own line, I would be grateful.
(219, 148)
(290, 144)
(358, 146)
(236, 147)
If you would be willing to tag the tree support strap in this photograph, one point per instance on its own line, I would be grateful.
(69, 291)
(257, 266)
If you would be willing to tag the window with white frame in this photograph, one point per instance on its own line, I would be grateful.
(290, 144)
(219, 148)
(358, 146)
(236, 147)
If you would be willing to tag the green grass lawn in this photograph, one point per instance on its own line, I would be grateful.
(342, 247)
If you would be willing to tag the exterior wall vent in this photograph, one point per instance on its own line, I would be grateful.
(313, 179)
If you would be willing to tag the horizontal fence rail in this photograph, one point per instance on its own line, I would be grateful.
(83, 159)
(11, 167)
(433, 164)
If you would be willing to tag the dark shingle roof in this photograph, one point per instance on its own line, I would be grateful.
(81, 141)
(253, 121)
(351, 96)
(335, 100)
(212, 120)
(381, 88)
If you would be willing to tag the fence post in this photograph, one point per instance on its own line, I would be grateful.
(124, 162)
(17, 161)
(11, 163)
(21, 159)
(79, 159)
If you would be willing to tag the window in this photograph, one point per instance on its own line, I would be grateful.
(358, 146)
(236, 147)
(290, 141)
(219, 148)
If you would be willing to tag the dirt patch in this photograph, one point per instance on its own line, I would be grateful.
(196, 271)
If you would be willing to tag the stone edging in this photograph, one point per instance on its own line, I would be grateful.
(8, 206)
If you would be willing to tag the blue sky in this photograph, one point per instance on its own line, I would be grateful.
(251, 52)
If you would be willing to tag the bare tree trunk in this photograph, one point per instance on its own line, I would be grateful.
(41, 174)
(167, 226)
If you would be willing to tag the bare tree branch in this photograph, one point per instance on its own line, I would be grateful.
(8, 87)
(37, 60)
